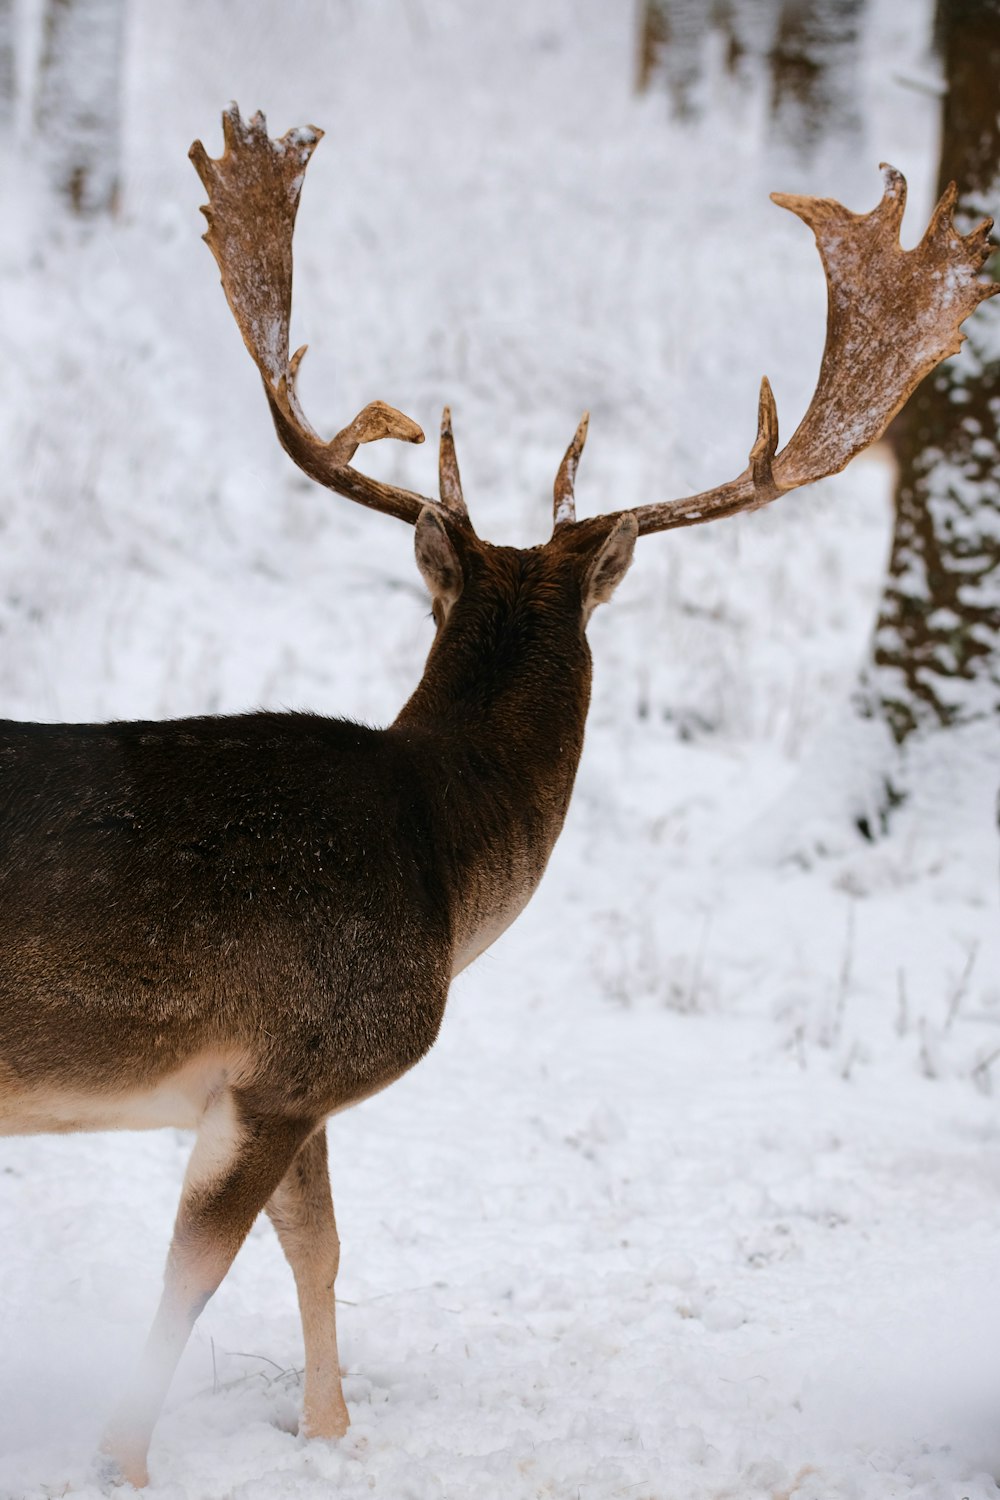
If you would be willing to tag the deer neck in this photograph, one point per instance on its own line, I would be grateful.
(499, 733)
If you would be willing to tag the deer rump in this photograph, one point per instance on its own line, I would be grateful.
(206, 902)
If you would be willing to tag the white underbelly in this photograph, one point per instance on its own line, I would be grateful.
(180, 1099)
(482, 937)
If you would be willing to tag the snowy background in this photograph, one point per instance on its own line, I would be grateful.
(697, 1195)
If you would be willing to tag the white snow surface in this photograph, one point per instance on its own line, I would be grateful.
(698, 1195)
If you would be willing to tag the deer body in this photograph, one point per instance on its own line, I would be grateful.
(231, 894)
(243, 925)
(274, 904)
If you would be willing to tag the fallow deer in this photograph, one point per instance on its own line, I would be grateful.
(242, 925)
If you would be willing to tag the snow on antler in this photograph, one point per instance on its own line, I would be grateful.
(892, 315)
(253, 191)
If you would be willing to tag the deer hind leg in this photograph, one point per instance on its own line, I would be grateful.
(238, 1159)
(301, 1210)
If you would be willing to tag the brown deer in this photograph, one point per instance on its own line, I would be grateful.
(242, 925)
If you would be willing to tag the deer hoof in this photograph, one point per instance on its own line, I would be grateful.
(330, 1424)
(114, 1468)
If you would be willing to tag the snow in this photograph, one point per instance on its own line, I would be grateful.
(697, 1195)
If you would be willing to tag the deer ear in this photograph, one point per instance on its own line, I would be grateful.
(437, 559)
(611, 564)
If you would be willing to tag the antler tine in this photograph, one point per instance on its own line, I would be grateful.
(449, 479)
(564, 490)
(892, 315)
(253, 191)
(765, 446)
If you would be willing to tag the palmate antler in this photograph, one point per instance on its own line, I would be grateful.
(254, 190)
(892, 315)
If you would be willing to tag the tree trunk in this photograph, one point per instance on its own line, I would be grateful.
(7, 74)
(810, 50)
(671, 35)
(936, 655)
(814, 65)
(78, 103)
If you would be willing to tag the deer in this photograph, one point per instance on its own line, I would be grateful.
(242, 925)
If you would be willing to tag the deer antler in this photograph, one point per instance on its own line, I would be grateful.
(254, 190)
(449, 479)
(564, 490)
(892, 315)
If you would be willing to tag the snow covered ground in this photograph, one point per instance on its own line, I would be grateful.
(697, 1195)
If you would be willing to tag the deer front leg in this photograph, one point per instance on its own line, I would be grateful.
(238, 1159)
(301, 1210)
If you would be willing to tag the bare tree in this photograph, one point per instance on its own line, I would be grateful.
(7, 74)
(936, 653)
(814, 62)
(670, 39)
(78, 101)
(810, 49)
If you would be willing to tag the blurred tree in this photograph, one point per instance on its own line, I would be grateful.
(670, 46)
(78, 101)
(7, 76)
(811, 50)
(813, 62)
(672, 35)
(936, 653)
